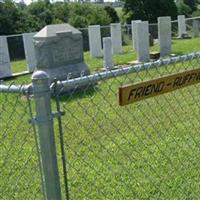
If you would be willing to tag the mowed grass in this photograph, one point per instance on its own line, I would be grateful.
(147, 150)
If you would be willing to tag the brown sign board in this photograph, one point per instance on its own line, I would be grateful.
(140, 91)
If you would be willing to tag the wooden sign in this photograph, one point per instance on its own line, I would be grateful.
(132, 93)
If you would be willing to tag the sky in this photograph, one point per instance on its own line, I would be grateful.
(29, 1)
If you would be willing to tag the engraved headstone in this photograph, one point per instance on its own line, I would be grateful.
(95, 41)
(59, 51)
(107, 52)
(116, 37)
(142, 35)
(29, 51)
(5, 67)
(195, 27)
(182, 26)
(164, 35)
(133, 30)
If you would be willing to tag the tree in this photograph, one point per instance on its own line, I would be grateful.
(9, 14)
(191, 3)
(42, 12)
(149, 10)
(112, 14)
(61, 11)
(82, 15)
(183, 9)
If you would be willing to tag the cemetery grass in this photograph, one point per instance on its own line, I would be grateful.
(145, 150)
(179, 47)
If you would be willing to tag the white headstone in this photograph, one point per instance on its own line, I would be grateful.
(116, 37)
(142, 35)
(181, 26)
(29, 51)
(5, 67)
(133, 30)
(95, 41)
(107, 52)
(195, 27)
(164, 35)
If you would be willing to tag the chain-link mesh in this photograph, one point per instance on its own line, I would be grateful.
(19, 165)
(146, 150)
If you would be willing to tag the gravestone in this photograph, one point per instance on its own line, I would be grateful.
(182, 33)
(95, 41)
(107, 52)
(133, 30)
(164, 35)
(5, 67)
(142, 42)
(195, 27)
(29, 51)
(59, 51)
(116, 37)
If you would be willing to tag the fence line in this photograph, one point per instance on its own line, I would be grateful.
(70, 83)
(106, 151)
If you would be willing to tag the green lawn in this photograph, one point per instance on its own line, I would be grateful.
(147, 150)
(179, 47)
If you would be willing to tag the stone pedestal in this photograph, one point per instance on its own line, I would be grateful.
(59, 51)
(142, 35)
(94, 32)
(133, 30)
(116, 37)
(29, 51)
(5, 67)
(107, 52)
(164, 35)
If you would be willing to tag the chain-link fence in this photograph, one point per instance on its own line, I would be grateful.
(19, 166)
(145, 150)
(149, 149)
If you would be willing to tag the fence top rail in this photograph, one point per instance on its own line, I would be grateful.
(71, 83)
(93, 78)
(21, 89)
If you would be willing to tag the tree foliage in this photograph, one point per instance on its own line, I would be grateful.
(183, 9)
(149, 10)
(112, 14)
(19, 18)
(191, 3)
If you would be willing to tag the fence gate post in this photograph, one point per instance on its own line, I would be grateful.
(44, 122)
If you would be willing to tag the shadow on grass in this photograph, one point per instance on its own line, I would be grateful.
(78, 93)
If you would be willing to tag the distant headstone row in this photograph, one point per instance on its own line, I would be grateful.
(67, 48)
(5, 65)
(95, 39)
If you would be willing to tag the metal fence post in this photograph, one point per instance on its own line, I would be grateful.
(44, 122)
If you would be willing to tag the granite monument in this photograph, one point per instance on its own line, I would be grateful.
(59, 51)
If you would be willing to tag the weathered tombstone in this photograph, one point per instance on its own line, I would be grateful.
(107, 52)
(133, 30)
(59, 51)
(195, 27)
(5, 67)
(95, 41)
(29, 51)
(116, 37)
(142, 35)
(182, 26)
(164, 35)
